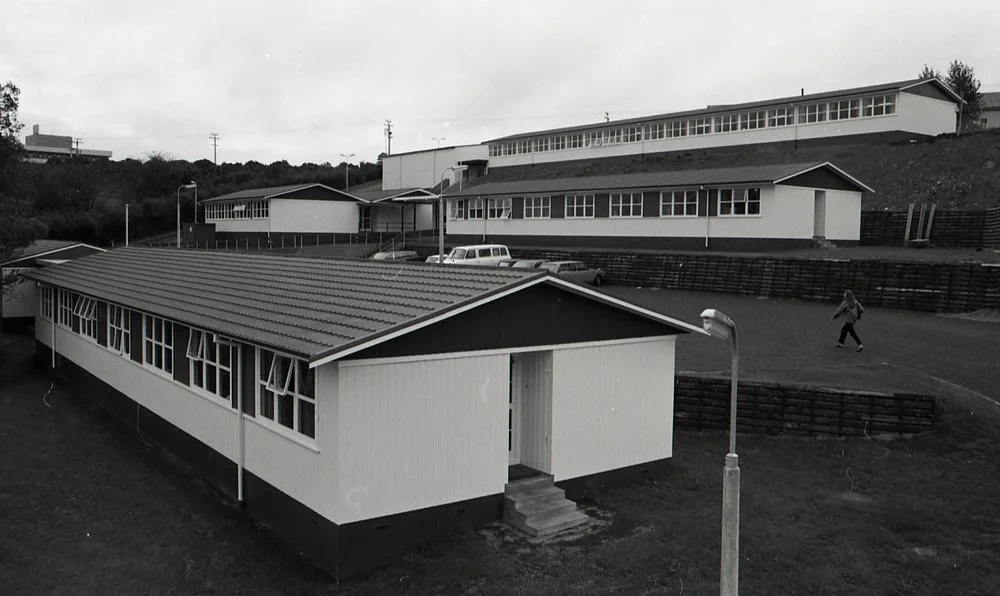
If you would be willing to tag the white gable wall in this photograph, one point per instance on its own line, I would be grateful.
(612, 406)
(424, 169)
(926, 115)
(313, 216)
(420, 433)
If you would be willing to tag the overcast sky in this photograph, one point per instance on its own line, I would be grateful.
(306, 81)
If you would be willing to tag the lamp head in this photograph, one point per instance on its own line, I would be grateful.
(716, 323)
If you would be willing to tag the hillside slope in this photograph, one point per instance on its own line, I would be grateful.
(954, 172)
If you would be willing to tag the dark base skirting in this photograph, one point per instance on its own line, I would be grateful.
(639, 242)
(587, 487)
(343, 551)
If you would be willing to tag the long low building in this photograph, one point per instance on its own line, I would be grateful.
(745, 208)
(358, 407)
(894, 110)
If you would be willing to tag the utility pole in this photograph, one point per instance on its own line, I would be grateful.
(215, 147)
(388, 137)
(77, 142)
(607, 117)
(347, 164)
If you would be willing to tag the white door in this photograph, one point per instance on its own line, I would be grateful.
(514, 398)
(819, 215)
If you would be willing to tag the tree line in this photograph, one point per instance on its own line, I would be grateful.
(82, 199)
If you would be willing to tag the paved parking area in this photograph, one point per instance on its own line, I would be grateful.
(793, 341)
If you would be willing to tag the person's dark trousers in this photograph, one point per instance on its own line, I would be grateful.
(848, 328)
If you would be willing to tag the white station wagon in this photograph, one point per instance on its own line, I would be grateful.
(479, 254)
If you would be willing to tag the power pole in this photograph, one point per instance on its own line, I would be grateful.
(215, 147)
(77, 143)
(388, 137)
(607, 117)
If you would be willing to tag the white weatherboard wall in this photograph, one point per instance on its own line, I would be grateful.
(423, 169)
(926, 115)
(313, 216)
(784, 213)
(843, 215)
(303, 470)
(420, 433)
(612, 406)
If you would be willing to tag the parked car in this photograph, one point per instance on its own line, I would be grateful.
(521, 263)
(479, 254)
(576, 271)
(396, 255)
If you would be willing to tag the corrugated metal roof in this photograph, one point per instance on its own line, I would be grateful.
(304, 306)
(264, 193)
(679, 178)
(721, 109)
(41, 247)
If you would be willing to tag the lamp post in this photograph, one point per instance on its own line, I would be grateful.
(179, 189)
(441, 211)
(719, 325)
(347, 164)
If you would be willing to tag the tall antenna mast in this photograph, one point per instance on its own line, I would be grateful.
(388, 137)
(215, 147)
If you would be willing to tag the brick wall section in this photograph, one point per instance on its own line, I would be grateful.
(702, 403)
(959, 228)
(920, 286)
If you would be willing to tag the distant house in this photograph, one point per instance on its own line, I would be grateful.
(317, 209)
(744, 208)
(19, 302)
(359, 407)
(990, 117)
(894, 110)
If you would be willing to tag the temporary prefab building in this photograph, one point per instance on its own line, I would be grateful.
(740, 208)
(362, 407)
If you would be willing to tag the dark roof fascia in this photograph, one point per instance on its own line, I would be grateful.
(638, 178)
(265, 195)
(861, 185)
(726, 108)
(935, 81)
(495, 294)
(421, 194)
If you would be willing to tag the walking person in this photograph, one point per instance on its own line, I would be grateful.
(852, 310)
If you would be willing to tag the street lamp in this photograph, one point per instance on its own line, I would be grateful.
(179, 188)
(719, 325)
(441, 210)
(347, 164)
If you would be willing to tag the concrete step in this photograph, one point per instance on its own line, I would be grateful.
(535, 510)
(527, 484)
(538, 507)
(558, 523)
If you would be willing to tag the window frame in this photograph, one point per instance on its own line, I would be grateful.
(291, 385)
(621, 205)
(538, 207)
(589, 204)
(119, 325)
(457, 211)
(207, 370)
(684, 203)
(64, 309)
(85, 316)
(474, 209)
(46, 302)
(498, 208)
(739, 197)
(161, 344)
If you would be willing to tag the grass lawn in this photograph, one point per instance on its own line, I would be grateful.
(87, 508)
